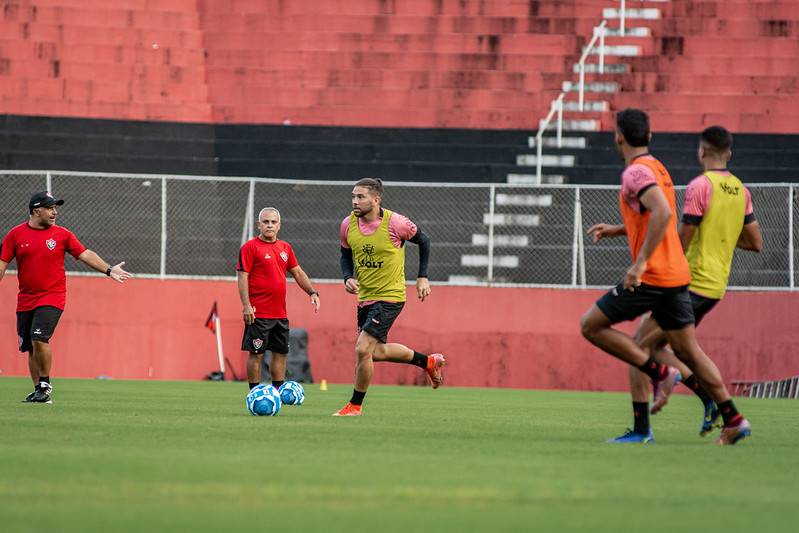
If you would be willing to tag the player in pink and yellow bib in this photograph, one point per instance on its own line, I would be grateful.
(373, 265)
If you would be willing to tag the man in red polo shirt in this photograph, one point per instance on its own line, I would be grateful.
(263, 263)
(39, 246)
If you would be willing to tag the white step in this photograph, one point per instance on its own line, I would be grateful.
(532, 179)
(592, 87)
(552, 142)
(576, 125)
(594, 105)
(529, 200)
(647, 13)
(504, 261)
(621, 50)
(612, 68)
(501, 241)
(456, 278)
(506, 219)
(546, 160)
(642, 31)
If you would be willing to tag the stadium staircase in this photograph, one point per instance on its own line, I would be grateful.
(690, 64)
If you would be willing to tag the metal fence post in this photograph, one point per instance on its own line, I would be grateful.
(492, 201)
(790, 238)
(163, 228)
(580, 238)
(575, 237)
(249, 208)
(49, 183)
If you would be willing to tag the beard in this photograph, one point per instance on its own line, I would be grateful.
(363, 212)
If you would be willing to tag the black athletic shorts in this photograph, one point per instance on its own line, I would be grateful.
(671, 306)
(36, 325)
(702, 306)
(377, 318)
(266, 334)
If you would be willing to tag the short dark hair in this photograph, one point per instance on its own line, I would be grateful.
(717, 139)
(633, 124)
(375, 185)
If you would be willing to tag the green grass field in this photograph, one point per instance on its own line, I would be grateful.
(186, 456)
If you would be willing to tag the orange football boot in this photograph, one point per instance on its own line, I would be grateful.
(435, 369)
(350, 410)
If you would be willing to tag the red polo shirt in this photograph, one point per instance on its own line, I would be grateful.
(267, 263)
(40, 263)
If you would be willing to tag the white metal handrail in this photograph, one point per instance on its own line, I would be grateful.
(599, 34)
(556, 106)
(622, 11)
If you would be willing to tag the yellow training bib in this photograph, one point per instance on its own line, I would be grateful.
(379, 265)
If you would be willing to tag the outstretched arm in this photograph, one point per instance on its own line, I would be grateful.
(603, 231)
(422, 283)
(115, 272)
(304, 282)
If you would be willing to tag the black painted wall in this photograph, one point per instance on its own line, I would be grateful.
(311, 152)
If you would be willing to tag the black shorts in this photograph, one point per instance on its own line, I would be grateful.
(671, 306)
(701, 305)
(266, 334)
(36, 325)
(377, 318)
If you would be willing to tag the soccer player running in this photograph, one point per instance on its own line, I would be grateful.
(373, 266)
(261, 272)
(658, 278)
(39, 246)
(717, 217)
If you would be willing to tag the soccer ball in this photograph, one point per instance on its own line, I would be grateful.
(292, 393)
(263, 400)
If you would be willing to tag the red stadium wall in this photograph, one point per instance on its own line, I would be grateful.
(522, 338)
(395, 63)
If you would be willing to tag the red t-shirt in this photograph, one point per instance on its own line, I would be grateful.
(267, 263)
(40, 263)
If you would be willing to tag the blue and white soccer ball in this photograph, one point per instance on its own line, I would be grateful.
(292, 393)
(263, 400)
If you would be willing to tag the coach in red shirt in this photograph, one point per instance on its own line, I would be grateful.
(39, 247)
(263, 263)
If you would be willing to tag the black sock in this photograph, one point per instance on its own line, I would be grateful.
(692, 383)
(253, 385)
(277, 383)
(357, 397)
(653, 369)
(641, 417)
(45, 379)
(419, 359)
(729, 413)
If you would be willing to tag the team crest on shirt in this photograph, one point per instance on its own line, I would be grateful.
(50, 243)
(257, 343)
(284, 256)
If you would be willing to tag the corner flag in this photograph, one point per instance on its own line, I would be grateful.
(214, 324)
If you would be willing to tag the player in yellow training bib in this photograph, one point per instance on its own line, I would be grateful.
(717, 217)
(373, 265)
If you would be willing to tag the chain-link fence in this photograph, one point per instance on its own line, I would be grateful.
(492, 234)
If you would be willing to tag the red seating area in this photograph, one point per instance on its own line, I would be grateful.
(395, 63)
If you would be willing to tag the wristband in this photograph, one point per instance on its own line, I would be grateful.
(108, 272)
(313, 292)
